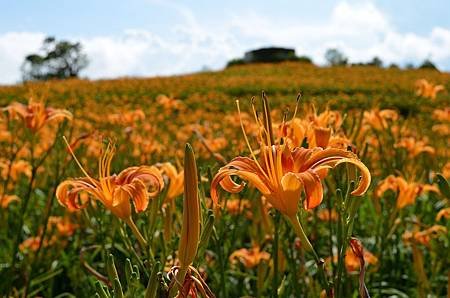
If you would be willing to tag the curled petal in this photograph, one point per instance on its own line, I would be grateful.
(140, 196)
(149, 175)
(331, 157)
(313, 188)
(231, 186)
(224, 178)
(246, 169)
(68, 193)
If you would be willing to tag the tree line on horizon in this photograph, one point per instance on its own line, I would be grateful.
(65, 59)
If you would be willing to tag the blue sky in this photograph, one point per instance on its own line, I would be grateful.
(156, 37)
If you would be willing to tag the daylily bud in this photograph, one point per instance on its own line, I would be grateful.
(190, 232)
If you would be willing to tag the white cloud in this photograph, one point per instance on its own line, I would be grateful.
(14, 46)
(360, 30)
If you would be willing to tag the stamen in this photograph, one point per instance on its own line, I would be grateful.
(283, 123)
(246, 140)
(269, 133)
(257, 119)
(299, 96)
(109, 156)
(267, 119)
(76, 160)
(261, 125)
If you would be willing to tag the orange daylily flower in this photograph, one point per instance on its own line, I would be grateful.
(446, 170)
(249, 257)
(414, 147)
(127, 118)
(63, 225)
(442, 129)
(424, 237)
(316, 129)
(407, 192)
(35, 115)
(427, 89)
(236, 206)
(114, 191)
(443, 213)
(168, 103)
(14, 170)
(176, 181)
(378, 119)
(5, 200)
(442, 114)
(32, 244)
(281, 174)
(327, 215)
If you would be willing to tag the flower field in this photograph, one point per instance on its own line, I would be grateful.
(332, 182)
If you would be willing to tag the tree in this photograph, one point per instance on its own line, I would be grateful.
(376, 62)
(57, 60)
(428, 64)
(334, 57)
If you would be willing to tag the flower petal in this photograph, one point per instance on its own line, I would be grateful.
(246, 169)
(331, 157)
(313, 188)
(290, 196)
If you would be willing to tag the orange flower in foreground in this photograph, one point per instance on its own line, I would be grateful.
(281, 174)
(407, 192)
(114, 191)
(249, 257)
(35, 115)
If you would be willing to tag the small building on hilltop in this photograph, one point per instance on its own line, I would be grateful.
(269, 55)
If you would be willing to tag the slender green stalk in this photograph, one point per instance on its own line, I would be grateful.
(309, 248)
(275, 255)
(137, 234)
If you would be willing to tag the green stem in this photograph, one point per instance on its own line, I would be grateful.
(309, 248)
(137, 234)
(275, 255)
